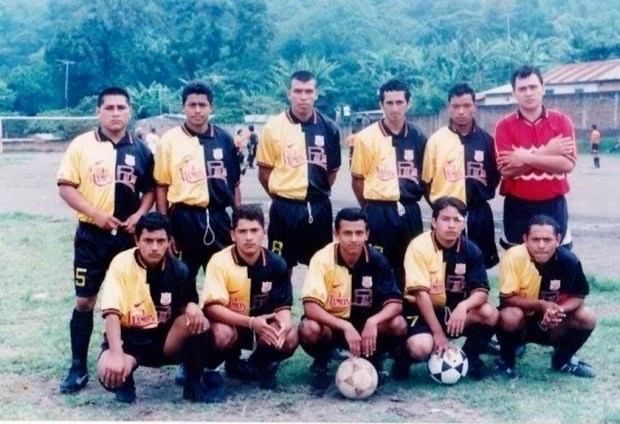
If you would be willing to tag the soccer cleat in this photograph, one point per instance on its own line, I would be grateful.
(209, 388)
(127, 392)
(492, 348)
(501, 371)
(241, 369)
(477, 369)
(320, 379)
(578, 369)
(75, 381)
(340, 354)
(180, 376)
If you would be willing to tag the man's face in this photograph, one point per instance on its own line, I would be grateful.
(114, 113)
(352, 235)
(395, 106)
(197, 109)
(448, 226)
(248, 236)
(529, 93)
(541, 243)
(152, 246)
(462, 110)
(302, 96)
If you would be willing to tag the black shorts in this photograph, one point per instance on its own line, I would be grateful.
(298, 229)
(535, 332)
(416, 323)
(594, 149)
(518, 212)
(246, 338)
(146, 346)
(481, 230)
(94, 249)
(391, 233)
(199, 233)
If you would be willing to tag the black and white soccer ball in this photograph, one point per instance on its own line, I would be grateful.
(449, 367)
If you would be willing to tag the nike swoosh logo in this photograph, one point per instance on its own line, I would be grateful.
(81, 379)
(135, 305)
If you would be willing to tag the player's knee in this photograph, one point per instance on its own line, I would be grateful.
(419, 346)
(85, 304)
(398, 326)
(224, 336)
(489, 315)
(290, 342)
(309, 331)
(584, 318)
(511, 319)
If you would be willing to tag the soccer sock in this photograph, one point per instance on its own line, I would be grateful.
(264, 355)
(508, 343)
(568, 345)
(195, 354)
(478, 337)
(80, 327)
(321, 351)
(213, 357)
(597, 162)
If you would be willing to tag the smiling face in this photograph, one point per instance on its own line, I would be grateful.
(114, 114)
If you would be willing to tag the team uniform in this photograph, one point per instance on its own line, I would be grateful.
(465, 167)
(553, 281)
(301, 156)
(391, 167)
(250, 290)
(536, 192)
(111, 177)
(201, 172)
(449, 275)
(252, 146)
(354, 294)
(147, 303)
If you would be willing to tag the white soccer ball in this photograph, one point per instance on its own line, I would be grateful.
(356, 378)
(449, 367)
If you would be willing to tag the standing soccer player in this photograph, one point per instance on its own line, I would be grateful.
(459, 161)
(386, 170)
(298, 158)
(595, 139)
(535, 153)
(107, 177)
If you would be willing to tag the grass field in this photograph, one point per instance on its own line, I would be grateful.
(36, 301)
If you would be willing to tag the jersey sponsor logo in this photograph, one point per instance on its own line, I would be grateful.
(317, 156)
(550, 296)
(385, 172)
(460, 268)
(319, 140)
(293, 157)
(456, 283)
(407, 171)
(164, 313)
(259, 300)
(218, 154)
(266, 287)
(367, 281)
(190, 172)
(236, 305)
(216, 169)
(130, 160)
(479, 155)
(451, 172)
(165, 298)
(337, 300)
(437, 286)
(555, 284)
(140, 318)
(99, 174)
(126, 175)
(476, 171)
(362, 297)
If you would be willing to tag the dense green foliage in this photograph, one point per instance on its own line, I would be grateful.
(246, 49)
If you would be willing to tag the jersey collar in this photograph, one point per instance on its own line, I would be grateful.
(438, 246)
(141, 264)
(474, 128)
(365, 256)
(295, 120)
(101, 137)
(544, 114)
(386, 132)
(241, 262)
(209, 132)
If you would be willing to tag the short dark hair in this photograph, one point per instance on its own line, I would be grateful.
(461, 89)
(593, 126)
(543, 220)
(303, 76)
(524, 72)
(251, 127)
(447, 201)
(112, 91)
(394, 85)
(250, 212)
(197, 87)
(153, 221)
(350, 214)
(239, 131)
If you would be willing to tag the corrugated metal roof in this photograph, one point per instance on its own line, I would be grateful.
(602, 70)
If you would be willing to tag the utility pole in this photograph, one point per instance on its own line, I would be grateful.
(67, 63)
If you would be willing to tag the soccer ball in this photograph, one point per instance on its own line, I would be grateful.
(449, 367)
(356, 378)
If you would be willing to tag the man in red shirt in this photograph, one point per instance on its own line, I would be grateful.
(535, 153)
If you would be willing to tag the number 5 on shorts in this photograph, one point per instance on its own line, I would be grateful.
(80, 277)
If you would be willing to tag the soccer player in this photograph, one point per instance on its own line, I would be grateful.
(542, 292)
(595, 139)
(351, 300)
(248, 295)
(149, 303)
(107, 177)
(197, 175)
(446, 292)
(298, 158)
(459, 161)
(252, 146)
(386, 170)
(535, 153)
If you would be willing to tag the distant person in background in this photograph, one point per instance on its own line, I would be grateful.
(139, 133)
(239, 145)
(595, 139)
(252, 145)
(152, 140)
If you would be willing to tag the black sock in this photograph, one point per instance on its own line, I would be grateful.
(508, 343)
(81, 328)
(597, 162)
(321, 351)
(478, 337)
(568, 345)
(264, 355)
(196, 355)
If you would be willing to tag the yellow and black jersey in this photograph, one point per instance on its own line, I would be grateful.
(145, 298)
(354, 293)
(251, 290)
(562, 275)
(450, 275)
(199, 169)
(300, 154)
(110, 176)
(461, 166)
(390, 164)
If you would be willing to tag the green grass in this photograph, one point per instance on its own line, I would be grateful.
(36, 302)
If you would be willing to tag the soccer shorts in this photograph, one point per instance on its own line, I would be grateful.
(146, 346)
(481, 230)
(391, 232)
(298, 229)
(535, 332)
(416, 323)
(94, 249)
(518, 212)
